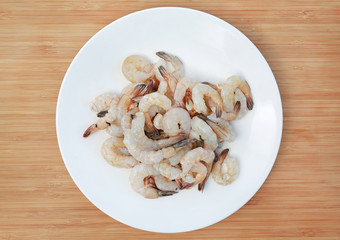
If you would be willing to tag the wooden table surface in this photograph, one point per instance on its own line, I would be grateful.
(299, 39)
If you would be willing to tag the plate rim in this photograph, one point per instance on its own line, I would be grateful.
(279, 121)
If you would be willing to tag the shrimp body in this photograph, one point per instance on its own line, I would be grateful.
(103, 102)
(139, 180)
(202, 91)
(103, 122)
(225, 170)
(201, 130)
(176, 120)
(137, 68)
(114, 152)
(145, 149)
(228, 90)
(158, 121)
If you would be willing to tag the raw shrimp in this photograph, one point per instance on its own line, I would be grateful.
(183, 85)
(197, 174)
(142, 181)
(114, 151)
(103, 102)
(167, 170)
(225, 170)
(195, 156)
(176, 120)
(102, 122)
(228, 92)
(201, 130)
(137, 68)
(202, 91)
(153, 99)
(174, 64)
(145, 149)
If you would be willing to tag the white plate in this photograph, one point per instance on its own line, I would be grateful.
(211, 50)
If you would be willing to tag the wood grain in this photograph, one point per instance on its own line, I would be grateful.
(299, 39)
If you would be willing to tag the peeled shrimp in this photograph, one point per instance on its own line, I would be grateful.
(114, 151)
(201, 130)
(137, 68)
(153, 99)
(202, 91)
(176, 120)
(228, 92)
(103, 102)
(143, 182)
(145, 149)
(103, 122)
(225, 170)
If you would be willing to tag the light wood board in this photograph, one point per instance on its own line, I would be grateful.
(299, 39)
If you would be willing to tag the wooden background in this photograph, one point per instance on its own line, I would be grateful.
(299, 39)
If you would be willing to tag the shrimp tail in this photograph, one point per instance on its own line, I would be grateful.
(162, 193)
(164, 56)
(150, 127)
(237, 107)
(91, 129)
(137, 90)
(181, 143)
(219, 111)
(102, 113)
(250, 103)
(223, 154)
(182, 185)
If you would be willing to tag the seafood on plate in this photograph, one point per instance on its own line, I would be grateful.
(169, 129)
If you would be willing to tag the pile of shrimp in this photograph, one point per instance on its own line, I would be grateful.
(168, 128)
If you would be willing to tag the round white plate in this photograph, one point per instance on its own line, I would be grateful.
(211, 50)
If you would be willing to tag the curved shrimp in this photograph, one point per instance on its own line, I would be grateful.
(103, 122)
(103, 102)
(225, 170)
(228, 92)
(145, 149)
(201, 130)
(193, 170)
(176, 120)
(202, 91)
(228, 116)
(143, 182)
(183, 85)
(114, 151)
(137, 68)
(153, 99)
